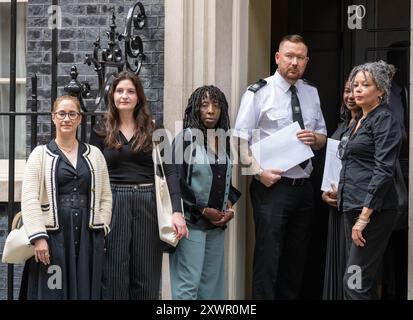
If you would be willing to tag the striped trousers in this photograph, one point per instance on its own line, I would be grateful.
(133, 259)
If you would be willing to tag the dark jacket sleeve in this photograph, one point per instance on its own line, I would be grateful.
(179, 145)
(173, 186)
(387, 136)
(171, 176)
(234, 194)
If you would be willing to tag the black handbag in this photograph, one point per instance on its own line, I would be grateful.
(402, 199)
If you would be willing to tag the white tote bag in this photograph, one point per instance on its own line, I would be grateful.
(17, 248)
(163, 201)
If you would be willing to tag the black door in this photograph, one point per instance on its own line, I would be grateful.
(341, 34)
(385, 35)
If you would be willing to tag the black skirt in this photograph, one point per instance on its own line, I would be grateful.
(335, 257)
(76, 261)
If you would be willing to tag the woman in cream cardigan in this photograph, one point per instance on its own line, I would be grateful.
(66, 208)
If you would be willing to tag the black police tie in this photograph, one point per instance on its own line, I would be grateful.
(297, 116)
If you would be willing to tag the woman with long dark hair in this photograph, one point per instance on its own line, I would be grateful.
(133, 250)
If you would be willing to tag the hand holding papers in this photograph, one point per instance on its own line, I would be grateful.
(332, 166)
(282, 149)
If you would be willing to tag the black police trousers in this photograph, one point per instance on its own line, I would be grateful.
(283, 216)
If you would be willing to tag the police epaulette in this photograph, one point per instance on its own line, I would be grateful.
(257, 85)
(309, 83)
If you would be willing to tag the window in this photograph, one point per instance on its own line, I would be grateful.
(5, 14)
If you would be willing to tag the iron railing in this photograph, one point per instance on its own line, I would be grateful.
(111, 57)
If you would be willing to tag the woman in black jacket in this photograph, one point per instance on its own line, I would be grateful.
(366, 193)
(202, 158)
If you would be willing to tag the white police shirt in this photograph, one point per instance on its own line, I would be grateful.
(269, 110)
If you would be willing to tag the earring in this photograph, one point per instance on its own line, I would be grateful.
(381, 99)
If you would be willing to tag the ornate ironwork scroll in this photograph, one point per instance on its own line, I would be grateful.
(112, 57)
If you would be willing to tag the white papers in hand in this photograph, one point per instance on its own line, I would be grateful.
(332, 166)
(281, 150)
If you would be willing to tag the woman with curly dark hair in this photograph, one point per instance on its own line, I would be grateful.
(133, 251)
(202, 157)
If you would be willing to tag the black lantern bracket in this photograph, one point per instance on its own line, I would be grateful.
(112, 57)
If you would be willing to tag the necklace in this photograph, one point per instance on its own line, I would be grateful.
(66, 149)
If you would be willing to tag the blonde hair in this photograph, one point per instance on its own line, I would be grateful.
(71, 98)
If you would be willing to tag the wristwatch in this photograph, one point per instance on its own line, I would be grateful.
(259, 174)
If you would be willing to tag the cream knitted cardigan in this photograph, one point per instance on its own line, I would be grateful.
(39, 199)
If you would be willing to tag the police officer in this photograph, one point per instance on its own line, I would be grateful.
(282, 201)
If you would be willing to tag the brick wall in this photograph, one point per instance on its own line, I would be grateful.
(82, 22)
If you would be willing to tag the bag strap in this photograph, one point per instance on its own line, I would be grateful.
(158, 159)
(17, 221)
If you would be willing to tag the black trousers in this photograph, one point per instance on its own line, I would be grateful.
(364, 263)
(132, 270)
(283, 216)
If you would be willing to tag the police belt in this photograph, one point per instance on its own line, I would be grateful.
(296, 182)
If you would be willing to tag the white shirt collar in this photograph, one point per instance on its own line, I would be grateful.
(283, 84)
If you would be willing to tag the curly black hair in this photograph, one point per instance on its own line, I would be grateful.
(192, 117)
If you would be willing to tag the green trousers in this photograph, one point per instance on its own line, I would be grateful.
(197, 266)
